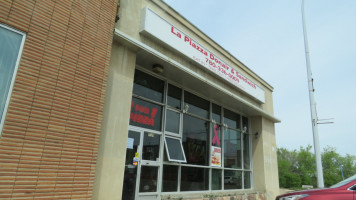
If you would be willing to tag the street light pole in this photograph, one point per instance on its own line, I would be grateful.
(314, 117)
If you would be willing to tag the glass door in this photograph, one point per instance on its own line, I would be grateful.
(132, 164)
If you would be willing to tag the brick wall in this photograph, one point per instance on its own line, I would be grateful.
(49, 143)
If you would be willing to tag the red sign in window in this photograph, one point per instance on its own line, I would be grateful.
(145, 114)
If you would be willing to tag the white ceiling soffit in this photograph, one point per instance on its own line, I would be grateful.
(176, 72)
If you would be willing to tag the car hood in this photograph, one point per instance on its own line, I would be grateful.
(312, 191)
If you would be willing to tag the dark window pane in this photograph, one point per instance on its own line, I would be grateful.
(197, 105)
(174, 148)
(245, 124)
(247, 180)
(231, 119)
(148, 86)
(174, 96)
(216, 135)
(196, 140)
(216, 115)
(148, 179)
(151, 143)
(216, 179)
(145, 114)
(170, 178)
(246, 151)
(232, 179)
(130, 175)
(172, 121)
(194, 179)
(232, 149)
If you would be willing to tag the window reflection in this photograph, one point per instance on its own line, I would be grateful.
(174, 96)
(196, 140)
(172, 121)
(216, 114)
(197, 105)
(151, 144)
(170, 178)
(148, 86)
(216, 179)
(232, 148)
(148, 179)
(232, 179)
(247, 180)
(231, 119)
(194, 179)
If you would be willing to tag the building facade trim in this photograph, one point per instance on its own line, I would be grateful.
(136, 45)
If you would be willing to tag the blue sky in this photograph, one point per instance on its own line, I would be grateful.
(267, 36)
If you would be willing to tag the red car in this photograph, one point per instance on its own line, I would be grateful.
(344, 190)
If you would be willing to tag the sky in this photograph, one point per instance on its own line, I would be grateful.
(267, 36)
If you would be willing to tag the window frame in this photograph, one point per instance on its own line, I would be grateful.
(181, 146)
(3, 116)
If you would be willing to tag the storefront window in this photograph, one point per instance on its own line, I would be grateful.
(216, 114)
(172, 121)
(232, 179)
(194, 179)
(174, 96)
(231, 119)
(148, 179)
(199, 148)
(196, 105)
(151, 144)
(232, 149)
(148, 86)
(246, 143)
(247, 180)
(170, 178)
(216, 175)
(196, 140)
(145, 114)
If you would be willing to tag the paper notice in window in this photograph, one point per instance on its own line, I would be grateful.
(215, 156)
(130, 142)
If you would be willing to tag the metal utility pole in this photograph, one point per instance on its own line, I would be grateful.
(314, 117)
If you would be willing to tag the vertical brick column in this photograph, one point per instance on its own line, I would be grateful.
(49, 142)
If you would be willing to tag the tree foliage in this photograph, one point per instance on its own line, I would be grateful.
(297, 167)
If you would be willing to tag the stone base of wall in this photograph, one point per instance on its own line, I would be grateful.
(218, 196)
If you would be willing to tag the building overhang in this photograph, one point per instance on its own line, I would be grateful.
(176, 72)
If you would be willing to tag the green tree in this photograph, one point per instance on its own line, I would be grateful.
(297, 168)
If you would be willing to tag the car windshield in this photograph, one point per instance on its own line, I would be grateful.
(344, 182)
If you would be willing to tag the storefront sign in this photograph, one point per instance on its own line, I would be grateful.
(215, 156)
(155, 26)
(145, 114)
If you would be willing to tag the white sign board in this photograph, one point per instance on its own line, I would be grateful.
(155, 26)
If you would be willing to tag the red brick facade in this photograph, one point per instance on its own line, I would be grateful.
(49, 142)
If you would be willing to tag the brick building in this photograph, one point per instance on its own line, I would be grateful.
(95, 108)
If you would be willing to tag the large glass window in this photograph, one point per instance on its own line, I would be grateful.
(172, 121)
(174, 96)
(196, 105)
(194, 179)
(151, 144)
(231, 119)
(196, 140)
(148, 179)
(206, 146)
(170, 178)
(148, 86)
(232, 149)
(11, 42)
